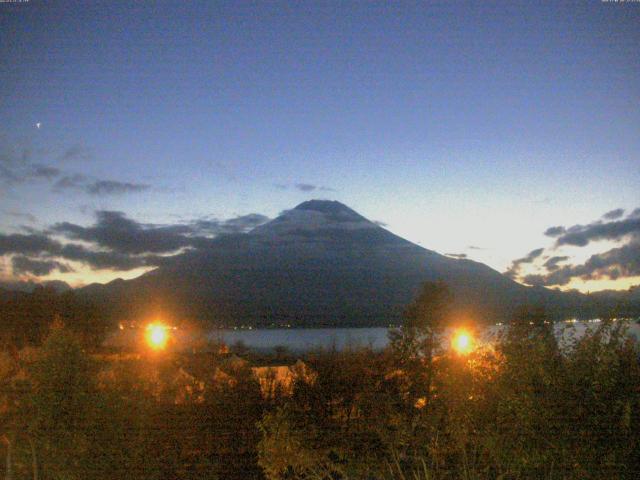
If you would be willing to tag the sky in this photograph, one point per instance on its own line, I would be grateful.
(470, 128)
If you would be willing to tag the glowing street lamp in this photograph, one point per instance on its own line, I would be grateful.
(157, 336)
(462, 342)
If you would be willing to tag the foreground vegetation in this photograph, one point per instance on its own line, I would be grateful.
(523, 407)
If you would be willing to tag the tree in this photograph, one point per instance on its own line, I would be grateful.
(416, 342)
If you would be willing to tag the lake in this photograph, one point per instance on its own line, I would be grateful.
(305, 339)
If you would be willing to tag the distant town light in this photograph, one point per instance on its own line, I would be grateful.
(157, 336)
(462, 342)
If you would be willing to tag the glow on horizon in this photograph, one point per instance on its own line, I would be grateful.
(586, 286)
(82, 276)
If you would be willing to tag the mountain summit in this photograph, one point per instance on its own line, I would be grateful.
(328, 207)
(314, 215)
(320, 263)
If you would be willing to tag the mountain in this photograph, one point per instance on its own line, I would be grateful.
(320, 263)
(29, 286)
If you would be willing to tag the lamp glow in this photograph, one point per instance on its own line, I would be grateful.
(462, 342)
(157, 336)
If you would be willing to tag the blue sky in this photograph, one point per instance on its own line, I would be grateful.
(457, 124)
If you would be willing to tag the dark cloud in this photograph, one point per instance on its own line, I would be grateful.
(13, 172)
(22, 265)
(115, 242)
(122, 235)
(112, 187)
(45, 172)
(618, 262)
(533, 254)
(581, 235)
(457, 255)
(69, 182)
(555, 231)
(552, 263)
(514, 269)
(474, 247)
(622, 261)
(303, 187)
(16, 167)
(33, 243)
(115, 231)
(614, 214)
(47, 250)
(612, 229)
(75, 152)
(98, 187)
(108, 260)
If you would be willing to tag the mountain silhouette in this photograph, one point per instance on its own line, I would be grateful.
(318, 264)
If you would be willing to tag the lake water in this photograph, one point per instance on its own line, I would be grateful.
(305, 339)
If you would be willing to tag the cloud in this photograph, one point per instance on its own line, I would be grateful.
(32, 243)
(475, 247)
(555, 231)
(75, 152)
(47, 249)
(634, 214)
(68, 182)
(552, 263)
(618, 262)
(116, 242)
(78, 181)
(22, 265)
(109, 260)
(44, 171)
(112, 187)
(612, 229)
(622, 261)
(241, 224)
(21, 215)
(459, 256)
(303, 187)
(582, 235)
(614, 214)
(17, 166)
(514, 269)
(115, 231)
